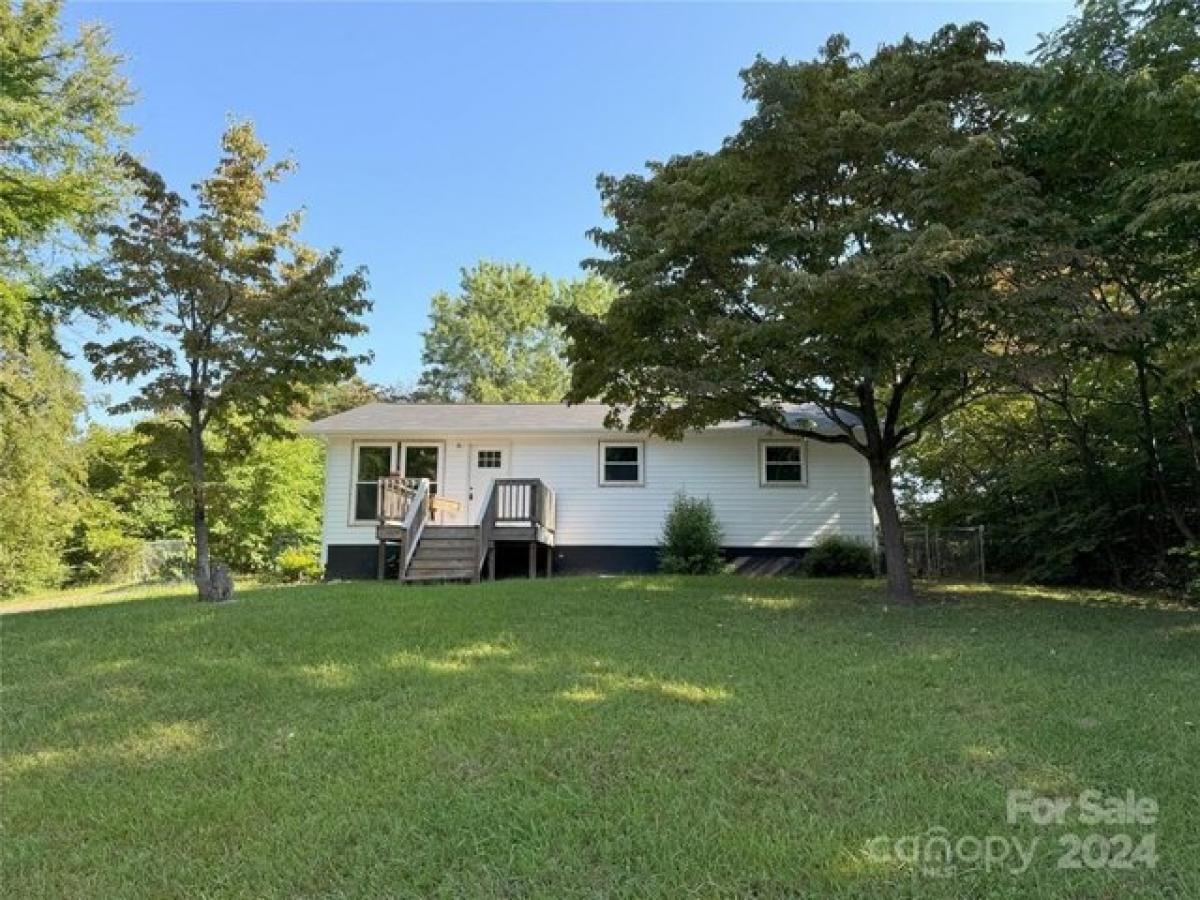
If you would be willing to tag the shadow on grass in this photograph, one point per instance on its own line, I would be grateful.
(563, 724)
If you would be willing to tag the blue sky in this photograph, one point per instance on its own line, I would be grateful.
(431, 136)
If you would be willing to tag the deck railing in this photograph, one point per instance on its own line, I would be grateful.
(404, 503)
(395, 495)
(516, 501)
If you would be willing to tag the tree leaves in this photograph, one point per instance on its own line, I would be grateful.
(495, 342)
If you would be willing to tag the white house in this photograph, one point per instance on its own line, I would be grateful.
(446, 490)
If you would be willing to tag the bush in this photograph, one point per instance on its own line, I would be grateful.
(837, 556)
(102, 551)
(691, 538)
(1186, 565)
(298, 564)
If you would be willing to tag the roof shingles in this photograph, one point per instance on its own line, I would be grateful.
(487, 418)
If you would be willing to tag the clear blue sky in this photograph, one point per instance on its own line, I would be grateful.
(429, 137)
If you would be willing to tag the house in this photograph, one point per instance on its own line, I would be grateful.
(441, 491)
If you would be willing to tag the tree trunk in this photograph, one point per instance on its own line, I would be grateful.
(1188, 433)
(899, 580)
(204, 585)
(1153, 460)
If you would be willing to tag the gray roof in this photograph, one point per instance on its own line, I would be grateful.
(491, 418)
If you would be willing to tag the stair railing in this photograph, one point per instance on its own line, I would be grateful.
(487, 523)
(413, 524)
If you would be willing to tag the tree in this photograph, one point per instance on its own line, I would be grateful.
(40, 468)
(124, 506)
(1088, 468)
(60, 106)
(1110, 131)
(855, 246)
(269, 500)
(330, 399)
(231, 315)
(495, 343)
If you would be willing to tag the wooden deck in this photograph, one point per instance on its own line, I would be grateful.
(518, 511)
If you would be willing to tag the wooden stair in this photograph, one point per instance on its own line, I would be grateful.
(445, 553)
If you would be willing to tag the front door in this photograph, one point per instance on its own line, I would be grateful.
(488, 462)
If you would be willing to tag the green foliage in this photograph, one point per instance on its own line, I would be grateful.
(264, 491)
(1088, 469)
(1188, 560)
(60, 104)
(234, 319)
(298, 564)
(1109, 126)
(126, 505)
(838, 556)
(691, 537)
(857, 245)
(268, 500)
(234, 315)
(103, 548)
(40, 466)
(330, 399)
(494, 342)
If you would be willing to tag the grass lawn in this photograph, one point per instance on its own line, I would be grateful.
(587, 737)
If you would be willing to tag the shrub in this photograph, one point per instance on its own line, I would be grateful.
(1186, 564)
(691, 537)
(102, 551)
(297, 564)
(835, 556)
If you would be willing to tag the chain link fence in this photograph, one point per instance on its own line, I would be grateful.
(949, 553)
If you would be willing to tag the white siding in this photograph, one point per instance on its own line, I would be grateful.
(722, 466)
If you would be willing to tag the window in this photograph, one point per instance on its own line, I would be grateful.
(621, 464)
(371, 462)
(421, 461)
(781, 463)
(488, 459)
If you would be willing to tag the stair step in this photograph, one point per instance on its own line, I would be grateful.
(448, 532)
(436, 565)
(466, 548)
(440, 566)
(444, 551)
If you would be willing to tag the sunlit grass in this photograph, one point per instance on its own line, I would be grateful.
(92, 595)
(581, 737)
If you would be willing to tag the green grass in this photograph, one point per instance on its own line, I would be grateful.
(584, 737)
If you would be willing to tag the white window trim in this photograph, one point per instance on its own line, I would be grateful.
(762, 464)
(479, 451)
(440, 446)
(641, 464)
(354, 448)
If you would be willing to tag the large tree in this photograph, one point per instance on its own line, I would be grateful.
(41, 471)
(226, 314)
(1111, 130)
(854, 246)
(60, 104)
(494, 341)
(61, 98)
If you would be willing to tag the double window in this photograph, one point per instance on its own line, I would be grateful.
(781, 464)
(622, 463)
(373, 461)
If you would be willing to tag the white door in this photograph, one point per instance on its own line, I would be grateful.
(488, 461)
